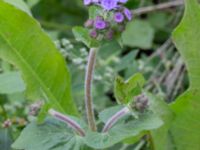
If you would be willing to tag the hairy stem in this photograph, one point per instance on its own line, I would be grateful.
(70, 122)
(109, 124)
(88, 88)
(162, 6)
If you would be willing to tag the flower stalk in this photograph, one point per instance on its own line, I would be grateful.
(88, 88)
(120, 114)
(70, 122)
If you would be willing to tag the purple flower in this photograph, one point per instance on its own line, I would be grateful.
(128, 14)
(100, 24)
(87, 2)
(109, 4)
(119, 17)
(95, 1)
(122, 1)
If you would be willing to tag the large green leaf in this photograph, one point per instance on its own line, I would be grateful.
(24, 44)
(161, 140)
(121, 131)
(52, 135)
(20, 4)
(185, 130)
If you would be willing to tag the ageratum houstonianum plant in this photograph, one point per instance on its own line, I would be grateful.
(136, 118)
(108, 19)
(131, 118)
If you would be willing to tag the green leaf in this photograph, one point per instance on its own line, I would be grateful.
(138, 33)
(20, 4)
(160, 138)
(82, 34)
(11, 82)
(52, 134)
(94, 11)
(120, 132)
(5, 139)
(126, 90)
(24, 44)
(185, 130)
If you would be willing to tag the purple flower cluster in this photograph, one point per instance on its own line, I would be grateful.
(106, 4)
(110, 24)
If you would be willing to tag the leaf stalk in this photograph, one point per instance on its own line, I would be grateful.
(70, 122)
(109, 124)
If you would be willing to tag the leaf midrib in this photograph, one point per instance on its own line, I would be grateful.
(31, 70)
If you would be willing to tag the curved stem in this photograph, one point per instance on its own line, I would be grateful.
(109, 124)
(162, 6)
(88, 88)
(70, 122)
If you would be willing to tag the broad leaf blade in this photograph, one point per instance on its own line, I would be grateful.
(186, 127)
(24, 44)
(21, 5)
(53, 135)
(160, 137)
(122, 131)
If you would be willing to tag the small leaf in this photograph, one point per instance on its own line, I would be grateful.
(82, 34)
(11, 82)
(126, 90)
(94, 11)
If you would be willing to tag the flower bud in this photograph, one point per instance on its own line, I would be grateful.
(100, 24)
(141, 103)
(89, 23)
(93, 33)
(109, 35)
(35, 108)
(7, 123)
